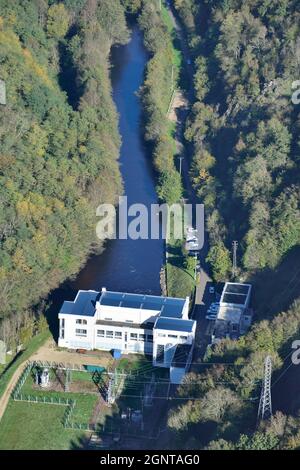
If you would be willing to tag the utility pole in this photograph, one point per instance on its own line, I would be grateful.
(2, 92)
(265, 404)
(180, 164)
(172, 78)
(234, 262)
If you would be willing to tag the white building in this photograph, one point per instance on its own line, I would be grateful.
(130, 323)
(234, 314)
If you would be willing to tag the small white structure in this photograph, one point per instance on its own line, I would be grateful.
(2, 352)
(2, 92)
(45, 378)
(234, 315)
(129, 323)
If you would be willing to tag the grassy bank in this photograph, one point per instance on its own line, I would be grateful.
(162, 78)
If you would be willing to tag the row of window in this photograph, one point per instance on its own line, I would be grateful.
(80, 332)
(117, 335)
(62, 328)
(163, 335)
(99, 322)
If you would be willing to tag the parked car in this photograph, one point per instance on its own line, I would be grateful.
(211, 290)
(213, 308)
(191, 238)
(211, 316)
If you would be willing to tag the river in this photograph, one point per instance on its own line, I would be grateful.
(128, 265)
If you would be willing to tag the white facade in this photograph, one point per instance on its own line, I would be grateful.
(129, 323)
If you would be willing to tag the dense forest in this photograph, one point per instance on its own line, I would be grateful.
(244, 127)
(59, 145)
(243, 130)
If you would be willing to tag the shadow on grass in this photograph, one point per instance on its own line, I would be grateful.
(11, 363)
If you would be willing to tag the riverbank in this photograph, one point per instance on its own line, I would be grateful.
(162, 111)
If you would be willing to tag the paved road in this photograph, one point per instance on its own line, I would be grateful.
(203, 298)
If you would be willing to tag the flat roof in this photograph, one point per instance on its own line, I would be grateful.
(236, 288)
(235, 293)
(84, 304)
(174, 324)
(230, 314)
(168, 306)
(239, 299)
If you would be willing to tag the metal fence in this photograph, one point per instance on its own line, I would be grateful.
(43, 399)
(17, 390)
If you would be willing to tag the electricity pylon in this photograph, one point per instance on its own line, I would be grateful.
(265, 404)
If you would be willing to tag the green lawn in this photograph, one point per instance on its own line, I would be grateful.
(177, 55)
(33, 346)
(180, 280)
(36, 427)
(85, 402)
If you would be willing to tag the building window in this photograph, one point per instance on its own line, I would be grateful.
(172, 336)
(160, 354)
(62, 328)
(150, 338)
(81, 322)
(109, 334)
(183, 337)
(142, 337)
(161, 335)
(81, 332)
(118, 334)
(100, 333)
(133, 336)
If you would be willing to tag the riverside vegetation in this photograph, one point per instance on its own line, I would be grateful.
(59, 146)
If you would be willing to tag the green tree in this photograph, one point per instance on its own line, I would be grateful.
(58, 21)
(170, 187)
(219, 260)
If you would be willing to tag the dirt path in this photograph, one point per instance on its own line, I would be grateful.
(51, 353)
(11, 384)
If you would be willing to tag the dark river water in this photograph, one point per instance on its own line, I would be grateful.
(128, 265)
